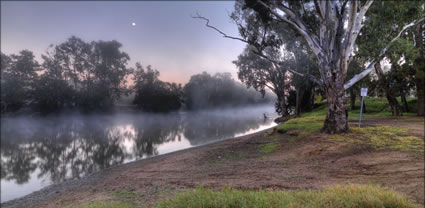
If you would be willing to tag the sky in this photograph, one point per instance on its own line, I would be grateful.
(165, 35)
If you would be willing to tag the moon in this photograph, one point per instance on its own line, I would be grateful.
(133, 24)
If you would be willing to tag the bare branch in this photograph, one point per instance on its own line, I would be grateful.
(258, 52)
(216, 29)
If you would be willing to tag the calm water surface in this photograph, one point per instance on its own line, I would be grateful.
(37, 152)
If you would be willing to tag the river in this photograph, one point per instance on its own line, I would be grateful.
(40, 151)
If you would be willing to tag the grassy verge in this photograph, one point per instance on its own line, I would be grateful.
(383, 137)
(374, 107)
(335, 197)
(380, 107)
(305, 125)
(380, 137)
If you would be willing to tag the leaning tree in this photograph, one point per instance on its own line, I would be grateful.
(384, 21)
(330, 29)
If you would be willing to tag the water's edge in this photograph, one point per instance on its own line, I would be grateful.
(54, 189)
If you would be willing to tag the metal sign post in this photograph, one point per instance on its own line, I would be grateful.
(363, 94)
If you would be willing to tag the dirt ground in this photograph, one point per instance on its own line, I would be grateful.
(312, 162)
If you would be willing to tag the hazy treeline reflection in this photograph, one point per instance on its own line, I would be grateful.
(71, 146)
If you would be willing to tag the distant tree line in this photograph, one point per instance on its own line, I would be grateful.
(74, 74)
(92, 76)
(154, 95)
(219, 90)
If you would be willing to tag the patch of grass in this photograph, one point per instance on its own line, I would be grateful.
(364, 196)
(269, 148)
(109, 204)
(320, 109)
(374, 106)
(380, 107)
(124, 194)
(312, 122)
(305, 124)
(383, 137)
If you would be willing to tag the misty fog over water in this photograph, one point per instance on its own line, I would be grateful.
(39, 151)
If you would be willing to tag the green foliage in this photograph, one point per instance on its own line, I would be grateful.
(260, 74)
(383, 137)
(384, 20)
(349, 196)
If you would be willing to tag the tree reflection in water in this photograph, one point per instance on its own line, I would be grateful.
(68, 147)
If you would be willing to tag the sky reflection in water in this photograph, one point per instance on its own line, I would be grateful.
(36, 152)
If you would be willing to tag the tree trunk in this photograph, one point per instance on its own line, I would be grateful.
(337, 117)
(421, 98)
(383, 82)
(395, 107)
(281, 107)
(404, 101)
(298, 102)
(352, 99)
(420, 68)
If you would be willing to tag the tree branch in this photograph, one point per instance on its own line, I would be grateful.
(297, 25)
(399, 34)
(370, 67)
(258, 52)
(318, 10)
(216, 29)
(358, 24)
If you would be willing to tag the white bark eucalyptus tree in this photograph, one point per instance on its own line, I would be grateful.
(330, 29)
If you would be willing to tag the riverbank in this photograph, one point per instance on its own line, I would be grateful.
(293, 159)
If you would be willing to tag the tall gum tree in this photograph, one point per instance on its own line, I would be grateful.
(330, 29)
(331, 41)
